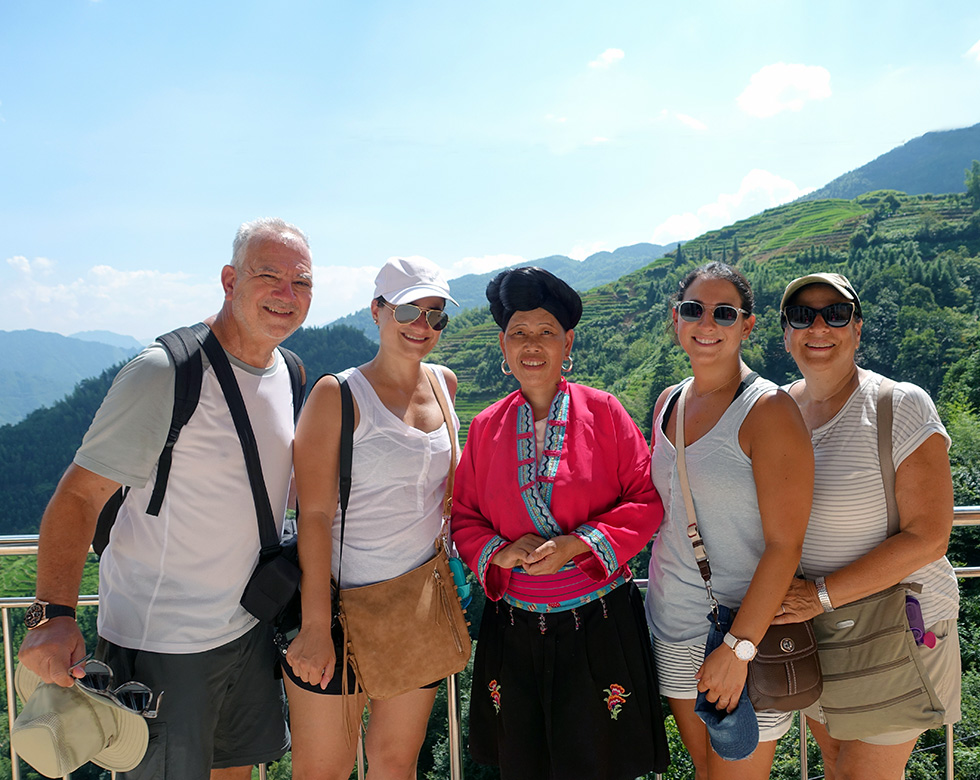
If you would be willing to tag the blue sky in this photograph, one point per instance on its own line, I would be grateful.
(135, 136)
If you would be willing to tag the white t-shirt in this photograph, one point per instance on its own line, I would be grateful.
(172, 583)
(849, 516)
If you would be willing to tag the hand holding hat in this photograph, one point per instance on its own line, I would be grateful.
(59, 729)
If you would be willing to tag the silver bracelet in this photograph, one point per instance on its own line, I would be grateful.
(822, 594)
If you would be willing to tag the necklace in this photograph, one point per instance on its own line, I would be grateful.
(705, 395)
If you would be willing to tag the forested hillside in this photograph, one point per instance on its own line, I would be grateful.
(35, 452)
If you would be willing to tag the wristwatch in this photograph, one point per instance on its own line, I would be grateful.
(743, 648)
(40, 612)
(823, 595)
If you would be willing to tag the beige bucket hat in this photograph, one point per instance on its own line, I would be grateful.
(59, 729)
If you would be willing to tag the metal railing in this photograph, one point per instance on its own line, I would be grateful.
(27, 545)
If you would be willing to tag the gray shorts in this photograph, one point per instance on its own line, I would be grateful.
(221, 708)
(676, 667)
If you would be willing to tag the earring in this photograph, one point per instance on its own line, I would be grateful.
(504, 368)
(566, 369)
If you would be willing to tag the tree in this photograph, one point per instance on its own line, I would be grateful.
(973, 183)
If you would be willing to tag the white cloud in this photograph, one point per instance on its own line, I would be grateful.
(758, 191)
(339, 291)
(974, 52)
(138, 303)
(784, 87)
(582, 251)
(690, 121)
(482, 265)
(608, 58)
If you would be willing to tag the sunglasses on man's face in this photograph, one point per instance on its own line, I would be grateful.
(692, 311)
(134, 696)
(836, 315)
(408, 312)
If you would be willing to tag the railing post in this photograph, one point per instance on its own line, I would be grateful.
(8, 661)
(455, 728)
(804, 766)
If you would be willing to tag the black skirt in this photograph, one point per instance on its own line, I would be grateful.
(568, 695)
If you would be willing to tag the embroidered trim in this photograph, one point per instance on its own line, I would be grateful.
(536, 486)
(486, 555)
(563, 606)
(599, 545)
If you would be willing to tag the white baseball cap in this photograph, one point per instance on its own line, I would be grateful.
(406, 279)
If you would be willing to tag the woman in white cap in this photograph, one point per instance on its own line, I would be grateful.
(401, 456)
(848, 553)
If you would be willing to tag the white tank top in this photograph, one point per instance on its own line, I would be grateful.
(398, 480)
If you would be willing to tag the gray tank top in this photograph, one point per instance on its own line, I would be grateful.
(727, 508)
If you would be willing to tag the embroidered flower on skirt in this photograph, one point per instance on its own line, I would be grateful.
(616, 699)
(494, 687)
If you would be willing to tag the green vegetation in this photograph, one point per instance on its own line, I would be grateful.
(915, 261)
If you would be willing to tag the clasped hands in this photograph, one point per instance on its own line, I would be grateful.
(537, 555)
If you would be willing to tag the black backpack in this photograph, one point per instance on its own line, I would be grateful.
(184, 347)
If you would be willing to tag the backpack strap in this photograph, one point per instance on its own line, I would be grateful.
(184, 347)
(297, 379)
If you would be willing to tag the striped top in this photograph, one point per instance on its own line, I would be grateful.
(850, 516)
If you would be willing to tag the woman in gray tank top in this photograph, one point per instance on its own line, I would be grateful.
(750, 470)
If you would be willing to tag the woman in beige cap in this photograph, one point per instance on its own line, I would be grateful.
(848, 552)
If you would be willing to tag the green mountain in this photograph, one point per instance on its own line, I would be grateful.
(40, 368)
(602, 267)
(108, 337)
(935, 162)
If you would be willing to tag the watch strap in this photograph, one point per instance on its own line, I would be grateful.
(40, 612)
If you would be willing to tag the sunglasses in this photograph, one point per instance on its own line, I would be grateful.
(836, 315)
(134, 696)
(409, 312)
(692, 311)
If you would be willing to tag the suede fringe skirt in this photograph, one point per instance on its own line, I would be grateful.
(568, 695)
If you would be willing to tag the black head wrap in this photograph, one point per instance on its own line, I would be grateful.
(526, 289)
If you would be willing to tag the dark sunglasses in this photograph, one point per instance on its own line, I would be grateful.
(692, 311)
(836, 315)
(409, 312)
(134, 696)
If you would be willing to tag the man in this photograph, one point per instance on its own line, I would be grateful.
(170, 584)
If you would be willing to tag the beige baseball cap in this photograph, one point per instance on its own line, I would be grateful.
(837, 281)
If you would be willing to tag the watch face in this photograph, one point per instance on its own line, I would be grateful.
(34, 616)
(745, 650)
